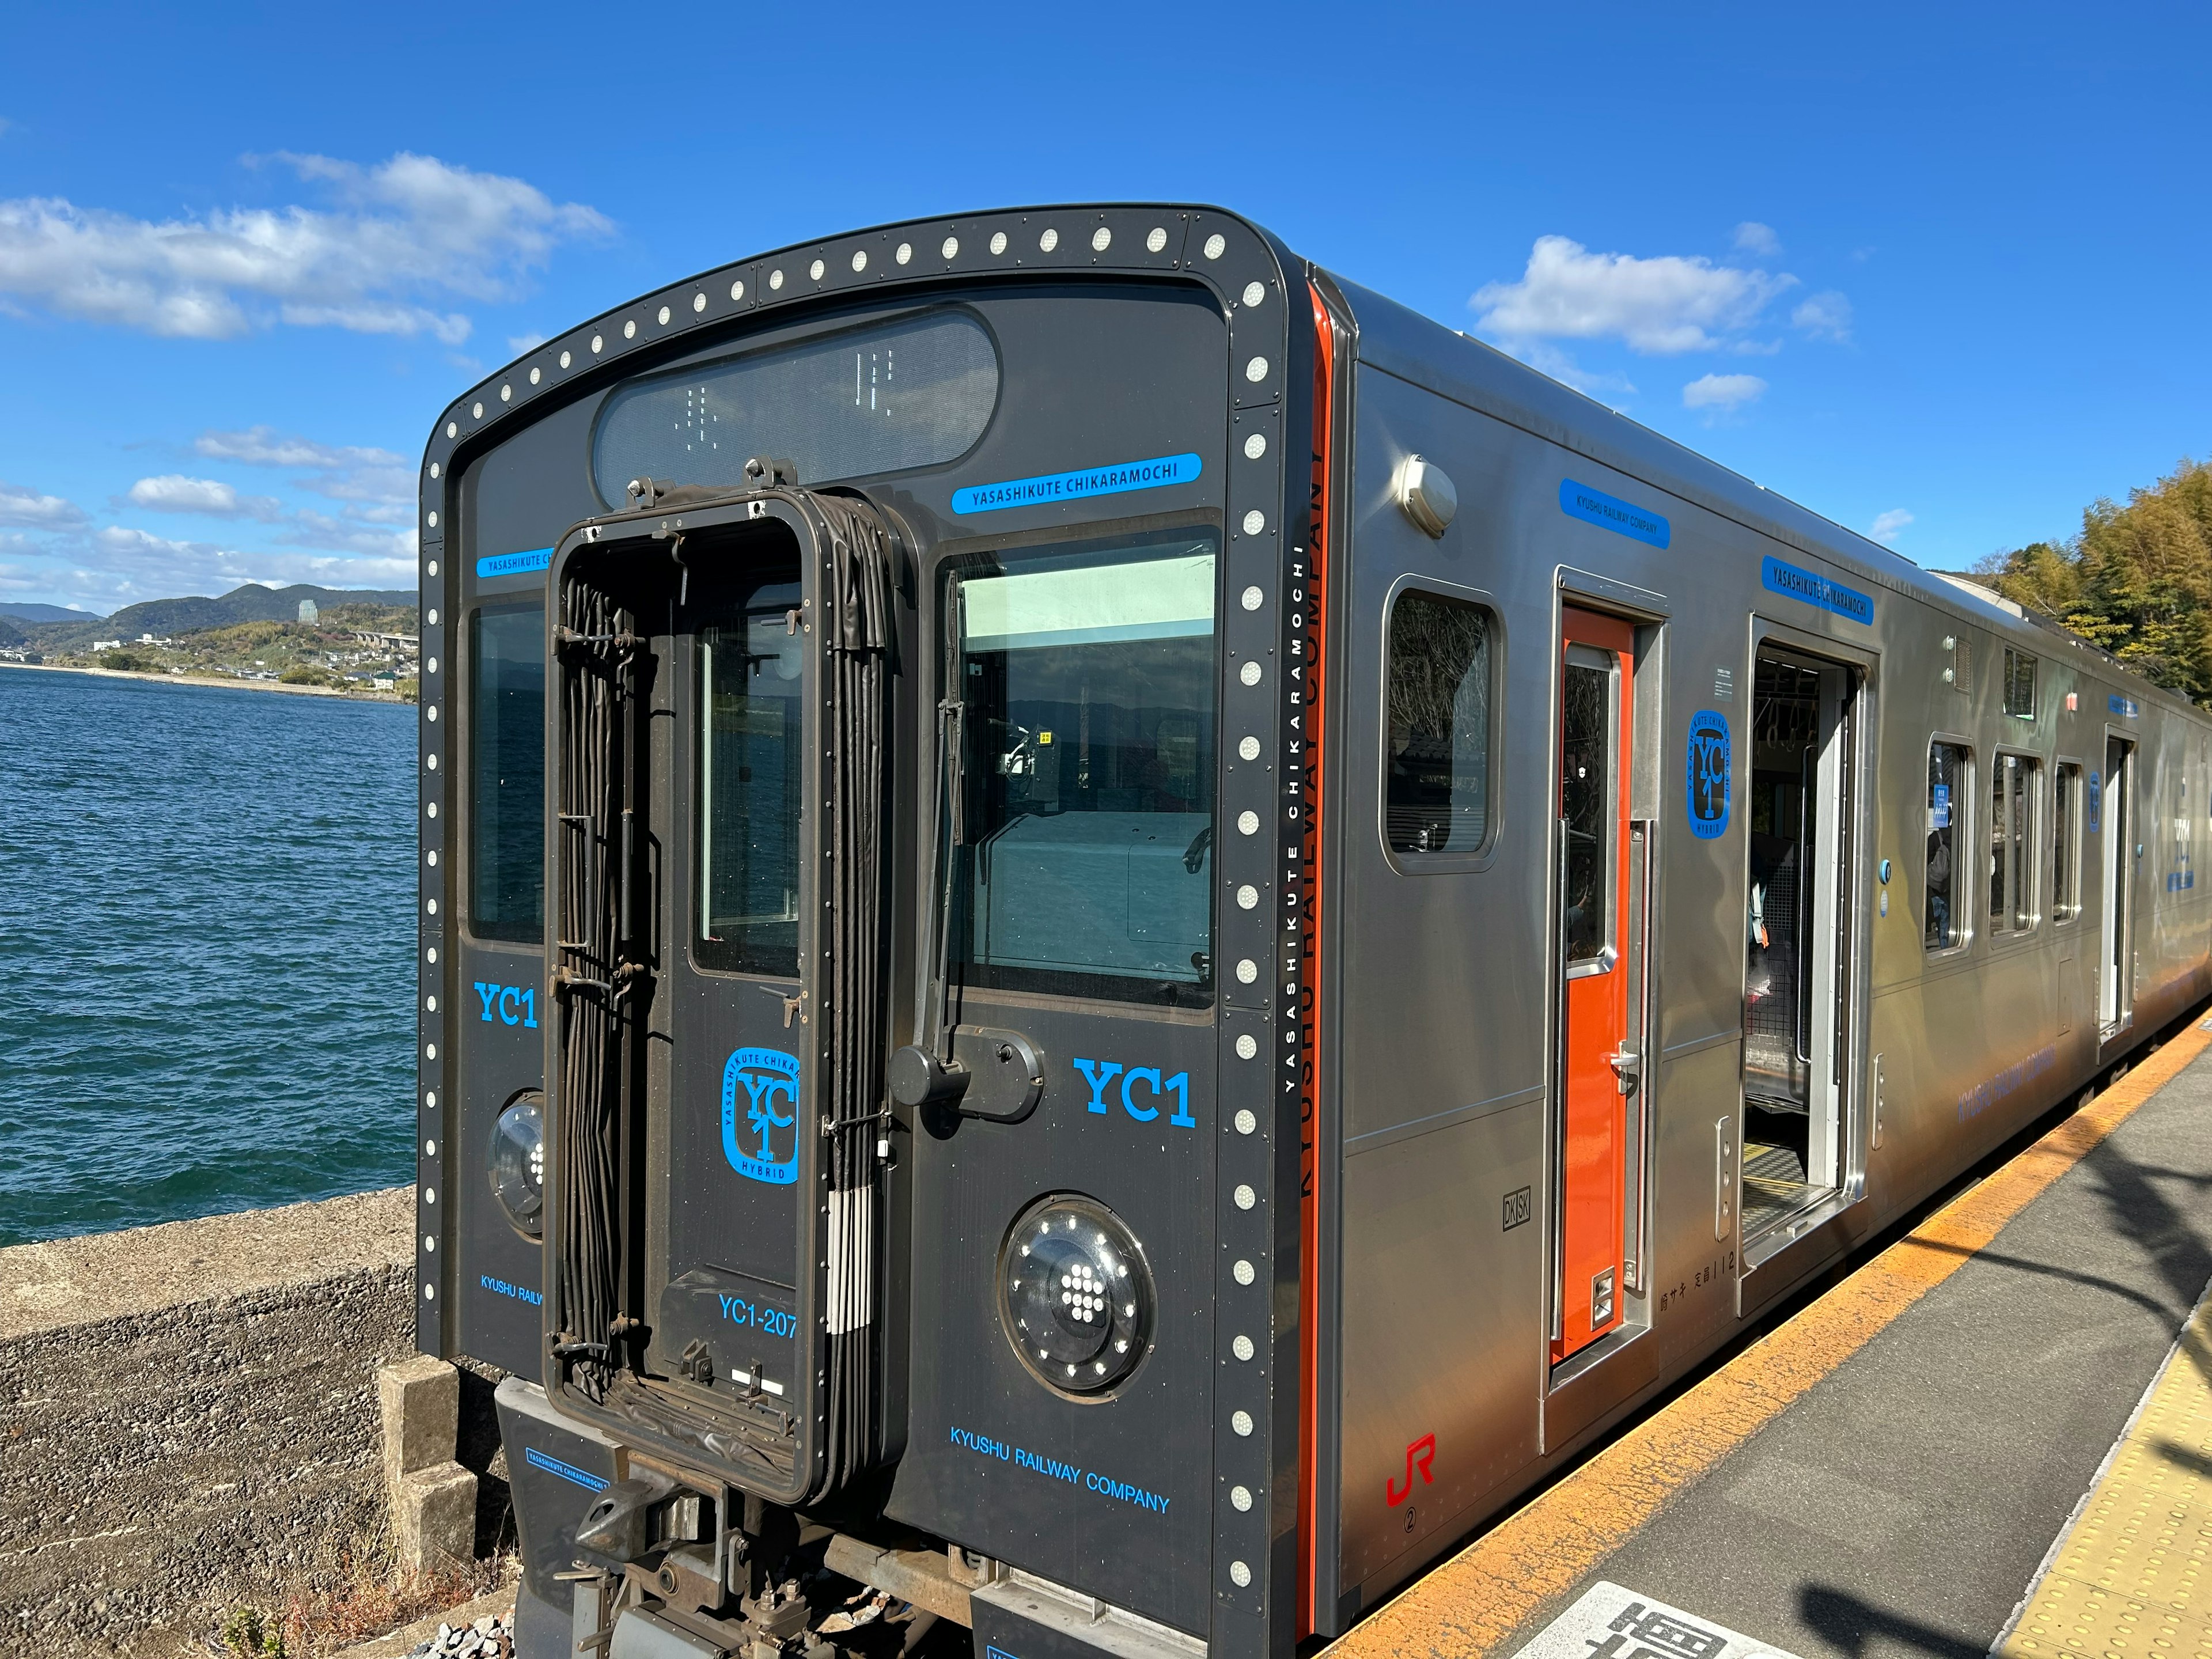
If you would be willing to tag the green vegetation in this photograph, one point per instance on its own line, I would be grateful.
(348, 648)
(2137, 580)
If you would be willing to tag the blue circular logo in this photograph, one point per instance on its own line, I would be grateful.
(765, 1146)
(1711, 762)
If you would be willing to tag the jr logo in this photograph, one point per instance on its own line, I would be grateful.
(768, 1080)
(1418, 1456)
(517, 1004)
(1098, 1074)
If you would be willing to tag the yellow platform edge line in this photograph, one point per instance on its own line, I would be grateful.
(1470, 1605)
(2130, 1572)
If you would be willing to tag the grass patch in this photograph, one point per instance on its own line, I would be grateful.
(346, 1588)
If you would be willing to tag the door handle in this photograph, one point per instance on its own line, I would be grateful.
(1627, 1068)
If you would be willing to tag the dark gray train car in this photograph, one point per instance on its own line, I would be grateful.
(1112, 934)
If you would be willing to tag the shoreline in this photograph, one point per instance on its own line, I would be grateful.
(213, 684)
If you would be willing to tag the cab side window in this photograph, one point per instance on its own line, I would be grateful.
(1436, 791)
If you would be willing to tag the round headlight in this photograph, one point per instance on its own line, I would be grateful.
(516, 1162)
(1074, 1294)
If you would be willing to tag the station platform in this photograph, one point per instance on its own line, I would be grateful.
(1994, 1436)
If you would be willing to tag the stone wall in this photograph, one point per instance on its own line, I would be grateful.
(188, 1415)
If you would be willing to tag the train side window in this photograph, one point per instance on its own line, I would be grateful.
(1943, 926)
(2066, 843)
(507, 772)
(1436, 793)
(2014, 784)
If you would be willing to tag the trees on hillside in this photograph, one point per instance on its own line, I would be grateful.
(2137, 580)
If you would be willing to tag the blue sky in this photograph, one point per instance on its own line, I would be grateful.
(1941, 273)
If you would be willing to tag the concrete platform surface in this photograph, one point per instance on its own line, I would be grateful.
(1884, 1475)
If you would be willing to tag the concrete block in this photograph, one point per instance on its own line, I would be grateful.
(434, 1518)
(420, 1399)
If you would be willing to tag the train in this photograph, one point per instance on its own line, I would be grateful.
(1112, 934)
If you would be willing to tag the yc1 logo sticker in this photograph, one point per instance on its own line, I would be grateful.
(762, 1084)
(1710, 765)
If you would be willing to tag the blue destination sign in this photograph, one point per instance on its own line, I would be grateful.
(1579, 501)
(1791, 583)
(1115, 480)
(2126, 708)
(514, 564)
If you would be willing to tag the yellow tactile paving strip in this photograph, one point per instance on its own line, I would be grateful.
(1480, 1601)
(2133, 1575)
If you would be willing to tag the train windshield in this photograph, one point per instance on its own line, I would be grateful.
(1084, 684)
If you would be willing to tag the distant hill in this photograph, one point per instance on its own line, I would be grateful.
(45, 613)
(9, 633)
(252, 603)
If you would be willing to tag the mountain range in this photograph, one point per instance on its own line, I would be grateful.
(250, 603)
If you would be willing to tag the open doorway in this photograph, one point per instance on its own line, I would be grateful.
(1797, 931)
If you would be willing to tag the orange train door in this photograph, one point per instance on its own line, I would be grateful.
(1596, 703)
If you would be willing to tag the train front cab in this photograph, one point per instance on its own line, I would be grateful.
(920, 816)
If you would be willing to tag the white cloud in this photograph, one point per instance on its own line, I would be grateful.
(409, 230)
(343, 472)
(174, 493)
(128, 564)
(32, 511)
(309, 528)
(1723, 392)
(1825, 316)
(1660, 306)
(1887, 527)
(1754, 238)
(518, 344)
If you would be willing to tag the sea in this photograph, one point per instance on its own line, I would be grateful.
(206, 960)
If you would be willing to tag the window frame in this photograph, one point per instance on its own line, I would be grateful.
(698, 691)
(942, 638)
(1473, 859)
(2014, 658)
(1965, 822)
(2031, 839)
(463, 784)
(2076, 816)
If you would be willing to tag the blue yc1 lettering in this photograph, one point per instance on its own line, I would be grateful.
(513, 1005)
(1136, 1081)
(757, 1316)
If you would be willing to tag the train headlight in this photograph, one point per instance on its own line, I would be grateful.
(1075, 1295)
(516, 1162)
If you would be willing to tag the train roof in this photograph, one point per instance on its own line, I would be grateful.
(1400, 340)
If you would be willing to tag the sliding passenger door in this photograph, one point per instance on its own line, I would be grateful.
(2115, 978)
(1600, 956)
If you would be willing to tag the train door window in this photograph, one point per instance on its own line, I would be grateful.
(1944, 925)
(750, 663)
(1436, 795)
(2013, 784)
(2066, 843)
(507, 772)
(1798, 933)
(1587, 789)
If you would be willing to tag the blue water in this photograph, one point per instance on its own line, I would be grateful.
(206, 958)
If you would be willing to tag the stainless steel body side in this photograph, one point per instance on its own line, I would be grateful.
(1443, 1058)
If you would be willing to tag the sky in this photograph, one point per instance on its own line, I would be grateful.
(1940, 273)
